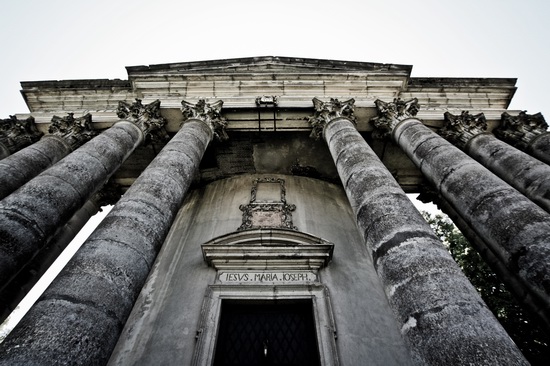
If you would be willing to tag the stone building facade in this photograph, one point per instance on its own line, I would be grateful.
(260, 215)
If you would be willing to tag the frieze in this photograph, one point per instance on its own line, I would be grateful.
(76, 131)
(391, 113)
(209, 113)
(325, 112)
(16, 134)
(146, 117)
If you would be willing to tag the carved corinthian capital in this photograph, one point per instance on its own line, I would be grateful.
(326, 112)
(146, 117)
(208, 113)
(16, 134)
(76, 131)
(390, 114)
(458, 130)
(520, 130)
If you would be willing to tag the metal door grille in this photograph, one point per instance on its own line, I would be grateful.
(266, 334)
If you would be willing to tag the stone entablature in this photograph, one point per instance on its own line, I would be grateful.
(239, 82)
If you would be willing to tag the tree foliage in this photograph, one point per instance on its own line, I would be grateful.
(519, 324)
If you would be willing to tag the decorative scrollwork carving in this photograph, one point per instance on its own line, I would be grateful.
(258, 214)
(325, 112)
(458, 130)
(76, 131)
(520, 130)
(16, 134)
(390, 114)
(146, 117)
(207, 113)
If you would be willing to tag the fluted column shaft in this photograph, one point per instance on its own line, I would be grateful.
(516, 228)
(20, 167)
(442, 317)
(88, 304)
(527, 174)
(30, 216)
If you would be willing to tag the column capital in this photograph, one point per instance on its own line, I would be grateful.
(520, 130)
(391, 113)
(75, 131)
(458, 130)
(146, 117)
(209, 113)
(326, 112)
(16, 134)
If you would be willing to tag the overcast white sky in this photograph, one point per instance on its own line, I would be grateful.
(71, 39)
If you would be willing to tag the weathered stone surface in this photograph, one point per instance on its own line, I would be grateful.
(20, 167)
(527, 174)
(29, 217)
(16, 134)
(106, 275)
(517, 230)
(76, 131)
(527, 132)
(425, 287)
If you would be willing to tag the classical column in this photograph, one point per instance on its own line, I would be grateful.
(14, 291)
(442, 317)
(80, 316)
(525, 173)
(16, 134)
(517, 230)
(66, 134)
(516, 285)
(32, 214)
(527, 132)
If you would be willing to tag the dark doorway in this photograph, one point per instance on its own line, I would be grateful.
(266, 333)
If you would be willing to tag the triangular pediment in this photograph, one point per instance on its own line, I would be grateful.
(268, 64)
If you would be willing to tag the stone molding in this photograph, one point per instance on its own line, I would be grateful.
(209, 113)
(259, 214)
(75, 131)
(267, 249)
(326, 112)
(16, 134)
(458, 130)
(519, 131)
(146, 117)
(391, 113)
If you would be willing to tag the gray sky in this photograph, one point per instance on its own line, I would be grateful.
(71, 39)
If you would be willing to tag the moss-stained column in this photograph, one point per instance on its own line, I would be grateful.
(16, 134)
(527, 132)
(66, 134)
(525, 173)
(32, 214)
(517, 230)
(13, 292)
(443, 319)
(79, 318)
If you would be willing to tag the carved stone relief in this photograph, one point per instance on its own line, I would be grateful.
(520, 130)
(266, 212)
(16, 134)
(76, 131)
(325, 112)
(390, 114)
(146, 117)
(458, 130)
(209, 113)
